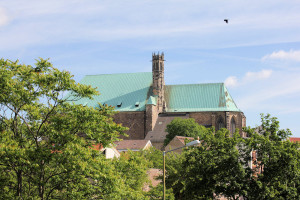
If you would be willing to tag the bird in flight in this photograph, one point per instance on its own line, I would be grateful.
(226, 20)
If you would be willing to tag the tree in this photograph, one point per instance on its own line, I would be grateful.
(43, 154)
(155, 160)
(184, 127)
(156, 193)
(224, 165)
(276, 168)
(209, 170)
(133, 168)
(154, 156)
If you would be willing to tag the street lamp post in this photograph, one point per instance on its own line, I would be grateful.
(192, 143)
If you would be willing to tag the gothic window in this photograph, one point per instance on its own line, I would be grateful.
(232, 125)
(220, 123)
(156, 66)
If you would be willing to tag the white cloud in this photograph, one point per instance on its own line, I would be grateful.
(4, 19)
(291, 55)
(263, 74)
(233, 81)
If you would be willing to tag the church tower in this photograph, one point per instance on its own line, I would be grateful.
(158, 79)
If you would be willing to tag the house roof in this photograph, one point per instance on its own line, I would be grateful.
(97, 147)
(182, 138)
(173, 144)
(158, 134)
(132, 91)
(198, 97)
(131, 144)
(294, 139)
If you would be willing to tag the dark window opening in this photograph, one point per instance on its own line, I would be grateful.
(232, 125)
(220, 123)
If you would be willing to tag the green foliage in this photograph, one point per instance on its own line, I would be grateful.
(154, 156)
(276, 169)
(156, 193)
(43, 154)
(133, 168)
(210, 169)
(184, 127)
(223, 165)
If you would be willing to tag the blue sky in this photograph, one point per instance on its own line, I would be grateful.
(257, 54)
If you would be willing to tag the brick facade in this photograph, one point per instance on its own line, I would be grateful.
(212, 118)
(140, 123)
(135, 121)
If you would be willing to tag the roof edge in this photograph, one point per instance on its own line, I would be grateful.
(116, 73)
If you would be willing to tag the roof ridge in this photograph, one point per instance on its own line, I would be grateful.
(196, 84)
(178, 136)
(118, 73)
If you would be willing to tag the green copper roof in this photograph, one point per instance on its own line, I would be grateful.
(127, 92)
(151, 100)
(198, 97)
(132, 91)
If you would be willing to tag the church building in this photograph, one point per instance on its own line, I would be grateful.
(145, 104)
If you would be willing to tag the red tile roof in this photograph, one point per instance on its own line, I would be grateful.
(294, 139)
(97, 147)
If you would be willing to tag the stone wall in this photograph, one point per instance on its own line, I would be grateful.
(140, 123)
(203, 118)
(135, 121)
(151, 117)
(211, 119)
(239, 119)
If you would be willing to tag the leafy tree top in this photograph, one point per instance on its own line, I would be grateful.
(42, 153)
(265, 165)
(184, 127)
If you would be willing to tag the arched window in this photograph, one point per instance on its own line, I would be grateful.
(220, 123)
(232, 125)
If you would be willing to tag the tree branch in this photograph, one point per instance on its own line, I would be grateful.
(17, 113)
(46, 118)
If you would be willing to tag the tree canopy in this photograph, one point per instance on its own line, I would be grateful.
(184, 127)
(46, 140)
(224, 165)
(276, 163)
(211, 169)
